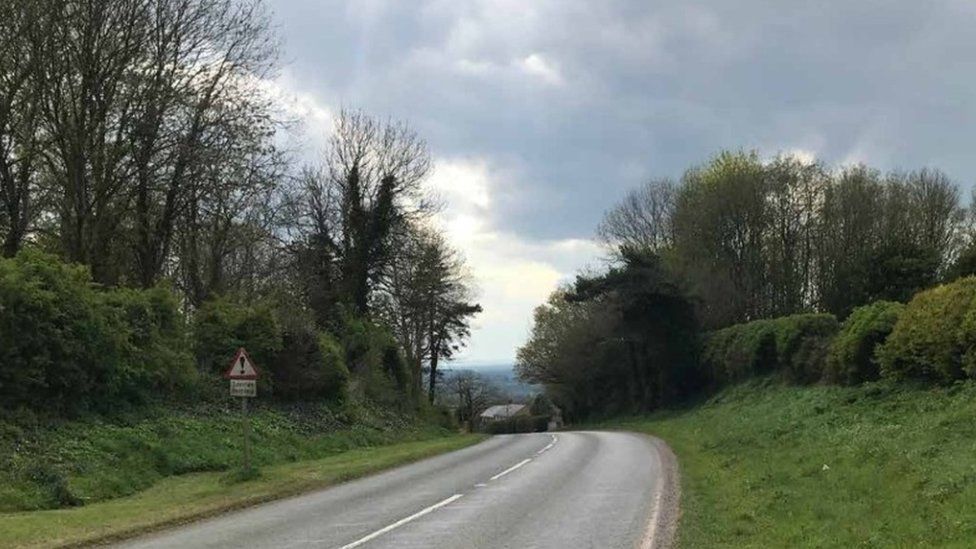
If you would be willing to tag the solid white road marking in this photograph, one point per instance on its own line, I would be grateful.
(401, 522)
(510, 469)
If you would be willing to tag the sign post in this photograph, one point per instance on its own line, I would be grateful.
(243, 376)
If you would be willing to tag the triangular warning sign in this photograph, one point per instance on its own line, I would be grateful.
(241, 367)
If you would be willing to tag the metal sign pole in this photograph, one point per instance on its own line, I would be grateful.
(247, 434)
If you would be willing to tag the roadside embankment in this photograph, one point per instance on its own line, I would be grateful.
(768, 465)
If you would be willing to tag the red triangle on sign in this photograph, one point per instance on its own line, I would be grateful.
(241, 367)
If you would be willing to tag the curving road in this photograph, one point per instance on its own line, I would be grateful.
(564, 490)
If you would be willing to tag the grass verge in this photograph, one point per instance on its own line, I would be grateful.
(880, 465)
(183, 498)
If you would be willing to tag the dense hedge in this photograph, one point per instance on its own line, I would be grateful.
(851, 358)
(220, 327)
(310, 366)
(374, 359)
(66, 346)
(935, 336)
(793, 345)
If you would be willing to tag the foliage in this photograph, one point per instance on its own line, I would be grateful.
(220, 327)
(620, 342)
(934, 337)
(755, 238)
(98, 458)
(68, 347)
(376, 363)
(851, 359)
(311, 366)
(154, 339)
(877, 465)
(794, 346)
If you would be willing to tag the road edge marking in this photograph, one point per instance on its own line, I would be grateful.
(402, 521)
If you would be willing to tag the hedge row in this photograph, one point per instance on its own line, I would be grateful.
(68, 346)
(935, 337)
(852, 357)
(65, 346)
(794, 345)
(932, 338)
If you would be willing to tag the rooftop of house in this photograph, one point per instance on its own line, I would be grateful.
(502, 410)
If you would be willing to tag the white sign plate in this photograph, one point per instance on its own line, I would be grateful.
(243, 388)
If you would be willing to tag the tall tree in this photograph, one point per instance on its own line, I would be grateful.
(426, 298)
(371, 186)
(22, 48)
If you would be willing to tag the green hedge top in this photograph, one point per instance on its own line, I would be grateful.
(935, 336)
(851, 358)
(793, 345)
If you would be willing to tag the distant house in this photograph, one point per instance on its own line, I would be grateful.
(504, 411)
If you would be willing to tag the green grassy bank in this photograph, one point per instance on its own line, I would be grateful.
(879, 465)
(89, 478)
(182, 498)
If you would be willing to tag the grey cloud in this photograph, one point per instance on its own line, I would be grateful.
(647, 88)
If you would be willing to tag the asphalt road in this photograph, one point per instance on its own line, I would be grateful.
(564, 490)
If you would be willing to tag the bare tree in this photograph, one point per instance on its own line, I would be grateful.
(427, 299)
(644, 219)
(473, 394)
(370, 188)
(21, 48)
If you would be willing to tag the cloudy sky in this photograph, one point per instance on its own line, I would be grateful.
(540, 114)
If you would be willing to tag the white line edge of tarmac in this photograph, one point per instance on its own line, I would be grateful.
(401, 522)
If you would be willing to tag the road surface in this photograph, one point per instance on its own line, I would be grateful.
(562, 490)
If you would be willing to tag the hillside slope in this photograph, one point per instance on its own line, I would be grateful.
(766, 465)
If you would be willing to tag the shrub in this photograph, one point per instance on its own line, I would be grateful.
(376, 363)
(309, 366)
(801, 345)
(739, 352)
(153, 340)
(55, 348)
(220, 327)
(935, 336)
(793, 345)
(67, 347)
(851, 358)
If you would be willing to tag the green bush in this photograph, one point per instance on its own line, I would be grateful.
(67, 347)
(802, 342)
(153, 339)
(793, 345)
(376, 363)
(310, 366)
(851, 358)
(935, 336)
(220, 327)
